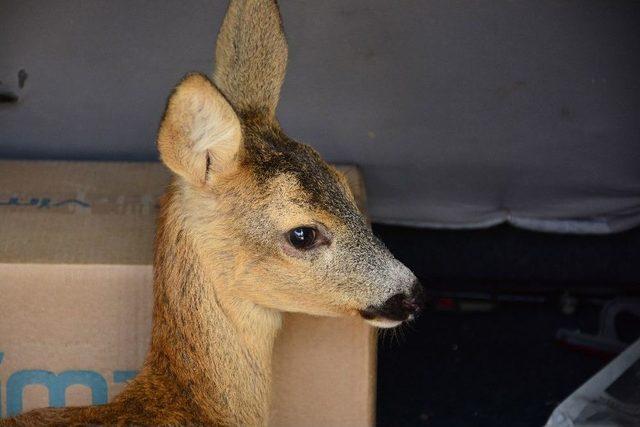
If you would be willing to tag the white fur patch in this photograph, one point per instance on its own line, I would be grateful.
(384, 323)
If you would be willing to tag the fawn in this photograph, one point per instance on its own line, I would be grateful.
(253, 224)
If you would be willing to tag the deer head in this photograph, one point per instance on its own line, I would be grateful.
(272, 217)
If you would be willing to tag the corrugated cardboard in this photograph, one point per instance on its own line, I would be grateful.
(75, 299)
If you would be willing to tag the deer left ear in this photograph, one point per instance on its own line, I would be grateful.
(200, 134)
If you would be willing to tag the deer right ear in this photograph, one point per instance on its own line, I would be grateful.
(200, 134)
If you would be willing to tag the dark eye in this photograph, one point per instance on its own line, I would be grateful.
(303, 237)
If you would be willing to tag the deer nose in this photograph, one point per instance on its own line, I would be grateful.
(415, 302)
(399, 306)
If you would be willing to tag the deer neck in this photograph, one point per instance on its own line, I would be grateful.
(215, 346)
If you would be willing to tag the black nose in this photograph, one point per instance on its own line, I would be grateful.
(400, 306)
(416, 301)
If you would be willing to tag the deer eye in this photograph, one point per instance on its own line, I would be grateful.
(303, 237)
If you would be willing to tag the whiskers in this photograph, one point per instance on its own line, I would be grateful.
(394, 336)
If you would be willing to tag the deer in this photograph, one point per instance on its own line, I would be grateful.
(252, 225)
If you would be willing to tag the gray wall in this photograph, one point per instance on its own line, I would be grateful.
(461, 113)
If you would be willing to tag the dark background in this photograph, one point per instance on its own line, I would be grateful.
(502, 367)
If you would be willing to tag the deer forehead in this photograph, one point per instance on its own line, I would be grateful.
(296, 198)
(295, 177)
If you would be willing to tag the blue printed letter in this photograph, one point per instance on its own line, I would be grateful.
(57, 385)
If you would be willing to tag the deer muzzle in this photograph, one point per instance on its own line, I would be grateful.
(396, 309)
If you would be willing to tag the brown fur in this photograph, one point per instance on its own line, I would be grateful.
(223, 269)
(251, 56)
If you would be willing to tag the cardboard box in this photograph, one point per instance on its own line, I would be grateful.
(76, 293)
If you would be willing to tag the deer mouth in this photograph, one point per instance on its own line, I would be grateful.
(384, 323)
(395, 310)
(382, 318)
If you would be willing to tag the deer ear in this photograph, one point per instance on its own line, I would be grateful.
(251, 56)
(200, 134)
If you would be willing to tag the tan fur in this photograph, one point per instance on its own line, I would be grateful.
(223, 267)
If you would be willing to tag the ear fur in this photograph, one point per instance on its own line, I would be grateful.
(199, 133)
(251, 56)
